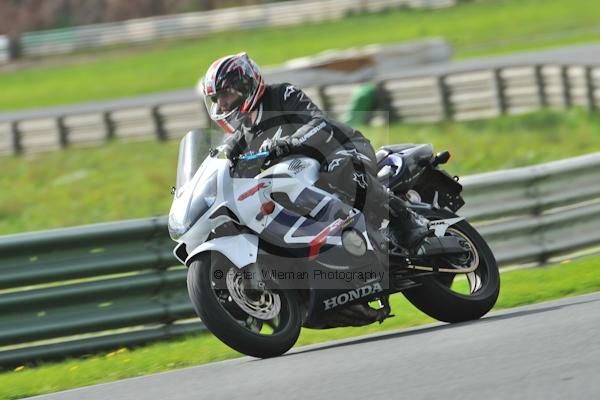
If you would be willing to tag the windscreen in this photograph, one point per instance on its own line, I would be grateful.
(190, 156)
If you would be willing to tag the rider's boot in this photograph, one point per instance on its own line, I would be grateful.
(409, 227)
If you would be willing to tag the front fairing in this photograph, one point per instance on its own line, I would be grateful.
(194, 199)
(241, 201)
(197, 187)
(197, 210)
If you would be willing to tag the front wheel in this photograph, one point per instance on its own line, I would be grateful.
(259, 323)
(460, 297)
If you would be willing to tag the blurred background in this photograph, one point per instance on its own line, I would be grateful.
(423, 65)
(95, 95)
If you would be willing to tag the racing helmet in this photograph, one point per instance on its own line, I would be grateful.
(232, 87)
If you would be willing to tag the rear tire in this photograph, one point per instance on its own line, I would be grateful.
(226, 321)
(435, 297)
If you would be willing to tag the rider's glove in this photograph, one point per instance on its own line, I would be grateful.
(278, 147)
(226, 149)
(230, 147)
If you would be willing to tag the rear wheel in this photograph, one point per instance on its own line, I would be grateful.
(460, 297)
(257, 322)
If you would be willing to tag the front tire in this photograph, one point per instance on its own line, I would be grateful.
(436, 296)
(236, 326)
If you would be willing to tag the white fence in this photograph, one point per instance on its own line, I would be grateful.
(461, 96)
(4, 53)
(66, 40)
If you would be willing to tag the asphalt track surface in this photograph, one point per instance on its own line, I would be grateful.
(545, 351)
(588, 54)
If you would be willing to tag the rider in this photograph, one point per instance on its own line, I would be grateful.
(281, 119)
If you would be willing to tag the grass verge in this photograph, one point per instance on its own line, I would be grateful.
(519, 287)
(133, 180)
(472, 28)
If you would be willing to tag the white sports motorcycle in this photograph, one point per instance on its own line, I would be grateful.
(271, 253)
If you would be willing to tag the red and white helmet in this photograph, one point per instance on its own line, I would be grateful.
(232, 87)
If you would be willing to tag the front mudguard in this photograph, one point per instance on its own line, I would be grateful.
(241, 250)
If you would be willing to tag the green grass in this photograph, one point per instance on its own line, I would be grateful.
(506, 142)
(518, 288)
(133, 180)
(472, 28)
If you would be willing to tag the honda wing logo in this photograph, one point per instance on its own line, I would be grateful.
(296, 166)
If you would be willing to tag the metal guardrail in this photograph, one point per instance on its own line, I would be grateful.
(535, 213)
(92, 280)
(458, 96)
(60, 41)
(77, 281)
(4, 50)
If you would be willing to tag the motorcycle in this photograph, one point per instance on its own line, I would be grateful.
(271, 252)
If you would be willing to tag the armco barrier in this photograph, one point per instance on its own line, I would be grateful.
(79, 290)
(459, 96)
(4, 51)
(88, 279)
(534, 213)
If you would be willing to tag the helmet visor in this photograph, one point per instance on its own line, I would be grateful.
(223, 103)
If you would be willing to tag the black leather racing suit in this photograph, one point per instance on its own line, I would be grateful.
(348, 163)
(348, 167)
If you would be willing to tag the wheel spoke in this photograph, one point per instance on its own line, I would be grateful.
(273, 323)
(253, 324)
(474, 282)
(254, 313)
